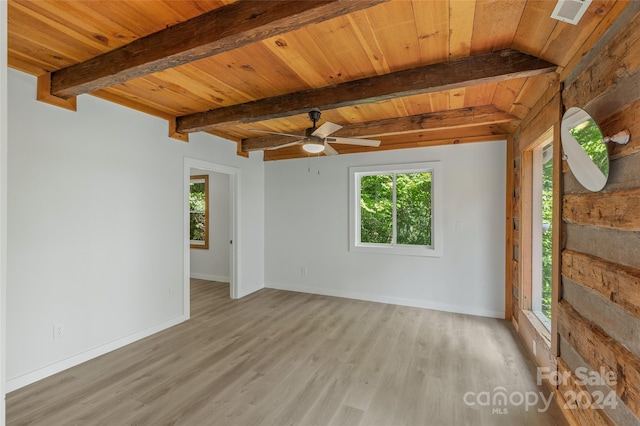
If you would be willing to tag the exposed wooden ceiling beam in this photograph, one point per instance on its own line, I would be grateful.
(220, 30)
(486, 68)
(454, 119)
(404, 141)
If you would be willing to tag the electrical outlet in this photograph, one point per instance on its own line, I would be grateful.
(58, 330)
(533, 347)
(172, 292)
(303, 270)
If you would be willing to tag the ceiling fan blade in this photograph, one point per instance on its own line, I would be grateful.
(284, 145)
(326, 129)
(353, 141)
(276, 133)
(329, 150)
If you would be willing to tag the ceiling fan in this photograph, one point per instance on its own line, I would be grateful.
(317, 139)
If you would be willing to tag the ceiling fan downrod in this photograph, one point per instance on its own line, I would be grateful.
(314, 116)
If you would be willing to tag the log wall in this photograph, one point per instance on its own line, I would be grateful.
(597, 300)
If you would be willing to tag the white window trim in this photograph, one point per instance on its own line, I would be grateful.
(433, 167)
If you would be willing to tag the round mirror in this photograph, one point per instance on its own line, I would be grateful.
(584, 149)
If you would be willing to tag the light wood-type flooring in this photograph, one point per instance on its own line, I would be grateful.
(285, 358)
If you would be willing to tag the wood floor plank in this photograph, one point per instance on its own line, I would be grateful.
(278, 357)
(386, 400)
(371, 363)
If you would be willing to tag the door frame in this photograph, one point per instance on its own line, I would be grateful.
(234, 196)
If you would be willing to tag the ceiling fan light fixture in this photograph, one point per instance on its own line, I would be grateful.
(313, 147)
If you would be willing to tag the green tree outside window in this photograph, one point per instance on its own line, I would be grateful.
(412, 209)
(199, 211)
(547, 219)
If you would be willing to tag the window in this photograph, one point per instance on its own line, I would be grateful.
(396, 209)
(542, 218)
(537, 238)
(199, 211)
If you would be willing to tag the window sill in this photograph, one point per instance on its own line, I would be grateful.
(397, 250)
(546, 322)
(539, 327)
(195, 244)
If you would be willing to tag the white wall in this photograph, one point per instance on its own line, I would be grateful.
(306, 225)
(213, 263)
(96, 228)
(3, 202)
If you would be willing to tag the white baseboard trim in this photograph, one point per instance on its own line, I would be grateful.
(391, 300)
(219, 278)
(49, 370)
(247, 292)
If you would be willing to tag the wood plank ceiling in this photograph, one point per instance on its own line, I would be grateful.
(410, 73)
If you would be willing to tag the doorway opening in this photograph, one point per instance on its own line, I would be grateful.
(223, 230)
